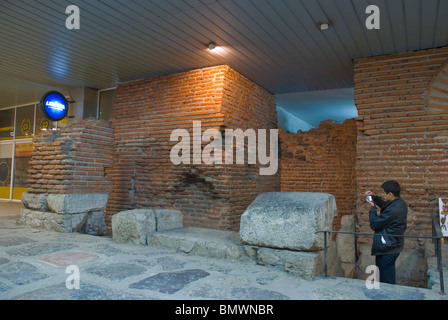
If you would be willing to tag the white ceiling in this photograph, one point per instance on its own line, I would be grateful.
(276, 43)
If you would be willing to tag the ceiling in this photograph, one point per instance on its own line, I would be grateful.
(275, 43)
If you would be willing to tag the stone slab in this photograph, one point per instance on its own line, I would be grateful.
(116, 271)
(87, 291)
(21, 273)
(241, 293)
(14, 241)
(36, 248)
(64, 259)
(170, 282)
(288, 220)
(77, 202)
(203, 242)
(303, 264)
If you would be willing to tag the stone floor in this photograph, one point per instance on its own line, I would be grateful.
(42, 265)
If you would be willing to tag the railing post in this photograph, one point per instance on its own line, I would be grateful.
(440, 265)
(325, 246)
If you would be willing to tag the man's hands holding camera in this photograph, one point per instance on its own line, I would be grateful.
(368, 197)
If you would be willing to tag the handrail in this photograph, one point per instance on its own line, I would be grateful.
(438, 235)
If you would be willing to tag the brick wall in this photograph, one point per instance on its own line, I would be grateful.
(402, 131)
(322, 160)
(144, 114)
(72, 160)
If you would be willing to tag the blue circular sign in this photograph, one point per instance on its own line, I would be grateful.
(54, 106)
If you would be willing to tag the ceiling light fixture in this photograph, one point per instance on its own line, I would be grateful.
(212, 45)
(324, 26)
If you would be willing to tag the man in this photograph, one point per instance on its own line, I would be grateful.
(390, 221)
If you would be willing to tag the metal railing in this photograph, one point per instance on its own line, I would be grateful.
(436, 238)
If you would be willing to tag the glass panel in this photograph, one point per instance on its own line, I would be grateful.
(22, 157)
(25, 122)
(5, 170)
(106, 101)
(7, 124)
(41, 122)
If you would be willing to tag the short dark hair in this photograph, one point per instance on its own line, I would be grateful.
(391, 186)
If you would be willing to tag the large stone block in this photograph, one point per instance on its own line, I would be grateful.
(41, 219)
(346, 246)
(288, 220)
(79, 212)
(77, 202)
(89, 223)
(303, 264)
(138, 225)
(167, 219)
(35, 201)
(133, 226)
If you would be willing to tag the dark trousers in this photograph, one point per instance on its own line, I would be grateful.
(386, 265)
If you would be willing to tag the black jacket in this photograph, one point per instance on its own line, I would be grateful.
(392, 220)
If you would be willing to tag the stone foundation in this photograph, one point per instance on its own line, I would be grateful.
(138, 225)
(279, 229)
(77, 212)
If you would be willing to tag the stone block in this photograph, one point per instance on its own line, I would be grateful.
(77, 202)
(78, 212)
(167, 219)
(90, 222)
(203, 242)
(35, 201)
(303, 264)
(288, 220)
(41, 219)
(133, 226)
(346, 242)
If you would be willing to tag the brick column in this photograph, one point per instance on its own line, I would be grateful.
(400, 135)
(67, 186)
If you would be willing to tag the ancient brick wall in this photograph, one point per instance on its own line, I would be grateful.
(402, 131)
(144, 114)
(322, 160)
(72, 160)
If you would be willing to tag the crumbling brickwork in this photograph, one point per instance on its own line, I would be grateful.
(322, 160)
(144, 114)
(73, 159)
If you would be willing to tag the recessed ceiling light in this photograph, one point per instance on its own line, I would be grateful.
(324, 26)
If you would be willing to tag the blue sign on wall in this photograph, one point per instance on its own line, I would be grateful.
(54, 106)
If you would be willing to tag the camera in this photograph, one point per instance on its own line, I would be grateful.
(369, 198)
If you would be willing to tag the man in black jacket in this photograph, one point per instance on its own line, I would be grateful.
(390, 221)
